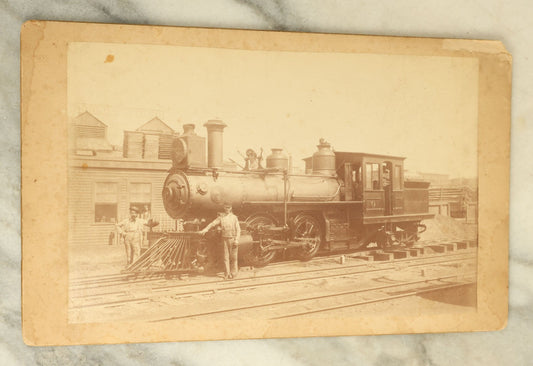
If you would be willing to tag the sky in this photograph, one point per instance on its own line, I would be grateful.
(421, 107)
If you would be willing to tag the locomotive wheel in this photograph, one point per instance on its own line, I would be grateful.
(409, 239)
(384, 239)
(307, 229)
(410, 234)
(258, 256)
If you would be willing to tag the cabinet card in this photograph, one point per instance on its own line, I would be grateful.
(185, 184)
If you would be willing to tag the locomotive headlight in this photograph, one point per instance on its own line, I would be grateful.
(179, 152)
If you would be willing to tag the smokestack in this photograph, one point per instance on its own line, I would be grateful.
(215, 152)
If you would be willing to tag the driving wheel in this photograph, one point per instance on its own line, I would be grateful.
(307, 230)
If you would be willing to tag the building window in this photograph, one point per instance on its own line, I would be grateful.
(141, 198)
(397, 178)
(105, 202)
(372, 176)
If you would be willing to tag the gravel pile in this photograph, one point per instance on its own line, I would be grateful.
(445, 227)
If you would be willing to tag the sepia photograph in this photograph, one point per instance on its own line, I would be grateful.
(227, 183)
(297, 184)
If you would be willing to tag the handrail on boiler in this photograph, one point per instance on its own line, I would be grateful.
(272, 171)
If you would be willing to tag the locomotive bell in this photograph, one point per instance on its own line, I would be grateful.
(324, 159)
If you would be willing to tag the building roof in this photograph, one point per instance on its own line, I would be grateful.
(359, 155)
(93, 143)
(108, 161)
(156, 125)
(87, 119)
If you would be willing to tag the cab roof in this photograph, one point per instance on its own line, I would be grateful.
(358, 155)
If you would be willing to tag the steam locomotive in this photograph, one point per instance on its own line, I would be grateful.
(343, 201)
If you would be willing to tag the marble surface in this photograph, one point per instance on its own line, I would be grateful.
(506, 20)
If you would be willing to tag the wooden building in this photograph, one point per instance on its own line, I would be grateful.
(90, 136)
(103, 184)
(151, 141)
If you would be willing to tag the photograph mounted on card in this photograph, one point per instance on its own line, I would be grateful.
(198, 184)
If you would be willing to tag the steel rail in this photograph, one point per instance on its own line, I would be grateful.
(255, 285)
(241, 287)
(385, 298)
(101, 279)
(79, 281)
(376, 288)
(400, 261)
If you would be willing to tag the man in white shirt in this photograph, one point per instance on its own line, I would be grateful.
(231, 232)
(132, 230)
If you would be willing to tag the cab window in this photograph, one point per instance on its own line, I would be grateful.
(397, 178)
(372, 176)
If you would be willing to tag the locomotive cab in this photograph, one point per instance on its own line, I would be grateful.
(376, 180)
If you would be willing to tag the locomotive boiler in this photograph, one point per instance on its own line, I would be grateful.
(344, 200)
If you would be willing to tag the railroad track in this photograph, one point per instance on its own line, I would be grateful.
(180, 284)
(373, 295)
(413, 292)
(119, 279)
(136, 295)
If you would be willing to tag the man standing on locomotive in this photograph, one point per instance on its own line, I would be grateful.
(231, 232)
(252, 161)
(132, 230)
(387, 188)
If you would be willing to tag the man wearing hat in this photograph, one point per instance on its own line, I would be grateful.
(132, 230)
(231, 232)
(252, 161)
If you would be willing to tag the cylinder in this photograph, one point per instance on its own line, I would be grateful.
(215, 151)
(324, 159)
(277, 159)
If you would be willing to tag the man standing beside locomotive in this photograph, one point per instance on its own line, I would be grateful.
(231, 232)
(132, 230)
